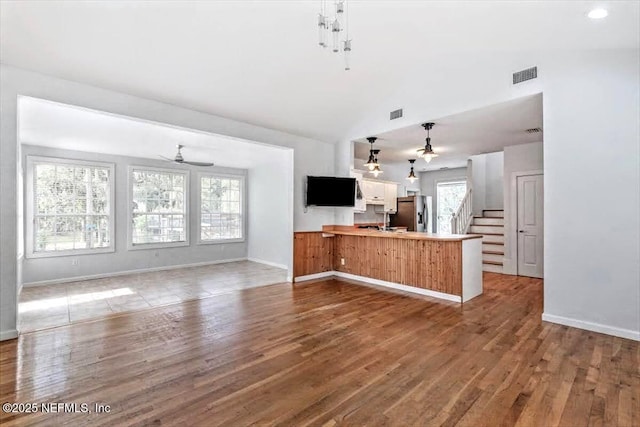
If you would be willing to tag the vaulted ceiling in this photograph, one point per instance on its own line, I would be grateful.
(259, 62)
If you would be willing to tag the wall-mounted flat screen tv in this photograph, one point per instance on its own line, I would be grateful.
(330, 191)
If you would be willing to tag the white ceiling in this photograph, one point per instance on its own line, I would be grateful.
(258, 61)
(55, 125)
(455, 138)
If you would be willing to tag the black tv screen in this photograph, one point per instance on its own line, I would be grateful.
(330, 191)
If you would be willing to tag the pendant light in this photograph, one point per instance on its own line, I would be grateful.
(376, 168)
(427, 152)
(371, 163)
(412, 176)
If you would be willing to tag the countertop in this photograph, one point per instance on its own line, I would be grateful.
(411, 235)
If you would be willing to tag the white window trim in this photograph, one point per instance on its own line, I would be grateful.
(142, 246)
(31, 203)
(243, 203)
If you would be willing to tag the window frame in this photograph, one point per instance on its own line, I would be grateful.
(243, 207)
(160, 245)
(31, 203)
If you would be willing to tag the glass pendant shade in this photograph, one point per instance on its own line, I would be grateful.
(335, 31)
(322, 30)
(429, 156)
(376, 171)
(347, 54)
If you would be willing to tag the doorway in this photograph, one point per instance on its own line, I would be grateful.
(530, 225)
(449, 195)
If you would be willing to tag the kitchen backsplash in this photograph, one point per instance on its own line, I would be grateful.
(369, 216)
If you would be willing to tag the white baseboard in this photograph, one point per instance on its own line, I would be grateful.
(123, 273)
(8, 335)
(590, 326)
(427, 292)
(272, 264)
(314, 276)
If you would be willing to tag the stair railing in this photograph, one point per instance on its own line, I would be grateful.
(461, 220)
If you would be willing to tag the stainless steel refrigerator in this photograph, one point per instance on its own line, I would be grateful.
(412, 213)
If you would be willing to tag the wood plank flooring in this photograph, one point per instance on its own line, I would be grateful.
(329, 353)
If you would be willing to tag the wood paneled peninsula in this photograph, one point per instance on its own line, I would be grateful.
(442, 266)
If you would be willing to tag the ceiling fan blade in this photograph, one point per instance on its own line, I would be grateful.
(167, 159)
(197, 163)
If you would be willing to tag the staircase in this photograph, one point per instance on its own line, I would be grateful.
(491, 226)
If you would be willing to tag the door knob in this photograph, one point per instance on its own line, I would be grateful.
(521, 231)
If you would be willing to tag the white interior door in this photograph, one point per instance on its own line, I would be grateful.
(530, 226)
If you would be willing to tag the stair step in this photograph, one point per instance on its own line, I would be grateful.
(492, 262)
(488, 221)
(487, 229)
(493, 239)
(493, 247)
(492, 268)
(492, 258)
(493, 213)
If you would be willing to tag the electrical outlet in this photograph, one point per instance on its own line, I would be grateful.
(74, 261)
(342, 261)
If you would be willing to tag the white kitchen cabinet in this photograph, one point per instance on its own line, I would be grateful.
(390, 197)
(374, 192)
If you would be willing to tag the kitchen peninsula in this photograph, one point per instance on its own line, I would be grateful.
(442, 266)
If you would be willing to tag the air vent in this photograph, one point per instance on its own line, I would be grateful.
(395, 114)
(524, 75)
(534, 130)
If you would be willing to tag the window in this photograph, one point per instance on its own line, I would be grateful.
(449, 197)
(70, 207)
(159, 208)
(221, 208)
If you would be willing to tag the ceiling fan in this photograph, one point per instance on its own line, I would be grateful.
(180, 160)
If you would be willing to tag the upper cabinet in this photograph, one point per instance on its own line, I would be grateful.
(380, 193)
(390, 197)
(374, 192)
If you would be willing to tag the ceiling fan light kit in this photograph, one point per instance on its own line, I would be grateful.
(427, 152)
(181, 161)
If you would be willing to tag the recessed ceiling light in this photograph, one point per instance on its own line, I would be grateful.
(598, 13)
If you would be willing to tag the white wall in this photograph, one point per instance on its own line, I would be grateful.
(310, 156)
(487, 177)
(60, 267)
(517, 158)
(429, 181)
(495, 190)
(269, 215)
(592, 191)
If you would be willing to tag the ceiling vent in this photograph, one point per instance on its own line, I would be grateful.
(395, 114)
(524, 75)
(534, 130)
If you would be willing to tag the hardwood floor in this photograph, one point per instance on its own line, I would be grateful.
(329, 353)
(42, 307)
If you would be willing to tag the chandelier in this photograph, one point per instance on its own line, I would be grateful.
(334, 22)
